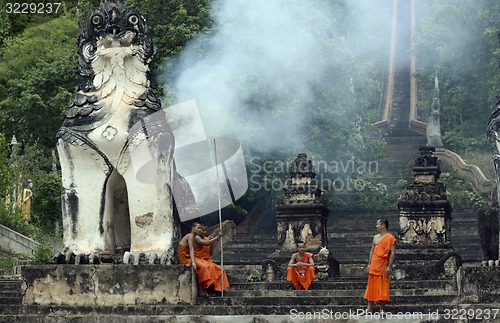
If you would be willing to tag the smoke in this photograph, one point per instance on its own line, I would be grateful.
(255, 78)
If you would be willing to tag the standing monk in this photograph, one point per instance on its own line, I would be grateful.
(300, 271)
(186, 254)
(379, 267)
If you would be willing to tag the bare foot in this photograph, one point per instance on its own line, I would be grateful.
(202, 293)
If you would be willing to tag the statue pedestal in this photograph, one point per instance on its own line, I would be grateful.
(301, 222)
(478, 284)
(426, 261)
(108, 285)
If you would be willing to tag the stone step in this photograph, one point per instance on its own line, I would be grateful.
(347, 284)
(324, 300)
(261, 238)
(326, 293)
(9, 309)
(11, 284)
(346, 314)
(12, 299)
(203, 310)
(237, 246)
(6, 294)
(239, 267)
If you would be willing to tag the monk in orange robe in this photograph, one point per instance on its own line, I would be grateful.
(203, 255)
(381, 259)
(300, 271)
(186, 253)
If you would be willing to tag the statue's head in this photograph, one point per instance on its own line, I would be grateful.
(110, 29)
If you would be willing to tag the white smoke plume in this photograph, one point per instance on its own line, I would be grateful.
(257, 74)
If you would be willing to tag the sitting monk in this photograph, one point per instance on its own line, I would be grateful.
(203, 255)
(300, 271)
(186, 254)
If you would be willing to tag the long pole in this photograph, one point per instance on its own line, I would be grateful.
(220, 221)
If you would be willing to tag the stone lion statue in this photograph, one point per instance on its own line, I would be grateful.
(106, 206)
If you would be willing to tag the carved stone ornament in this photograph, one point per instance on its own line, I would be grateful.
(105, 207)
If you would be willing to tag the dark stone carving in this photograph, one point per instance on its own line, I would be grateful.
(493, 133)
(303, 186)
(487, 222)
(271, 271)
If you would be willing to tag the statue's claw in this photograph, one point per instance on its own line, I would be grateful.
(70, 258)
(145, 258)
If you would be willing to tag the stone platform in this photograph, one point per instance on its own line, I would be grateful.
(477, 292)
(108, 285)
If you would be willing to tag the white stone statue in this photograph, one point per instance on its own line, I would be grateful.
(114, 112)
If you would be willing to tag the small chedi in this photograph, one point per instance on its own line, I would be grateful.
(106, 204)
(425, 250)
(424, 211)
(303, 214)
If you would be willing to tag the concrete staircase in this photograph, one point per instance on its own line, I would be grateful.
(350, 237)
(399, 158)
(349, 234)
(261, 298)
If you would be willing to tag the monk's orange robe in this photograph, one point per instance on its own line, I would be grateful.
(203, 272)
(183, 255)
(378, 283)
(301, 277)
(203, 260)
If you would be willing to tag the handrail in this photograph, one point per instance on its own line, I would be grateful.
(11, 240)
(477, 178)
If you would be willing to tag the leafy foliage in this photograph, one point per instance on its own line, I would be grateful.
(47, 204)
(37, 77)
(461, 195)
(458, 41)
(172, 23)
(38, 71)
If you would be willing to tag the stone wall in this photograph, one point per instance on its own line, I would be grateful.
(108, 285)
(479, 284)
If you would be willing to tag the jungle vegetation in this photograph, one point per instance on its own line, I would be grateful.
(457, 39)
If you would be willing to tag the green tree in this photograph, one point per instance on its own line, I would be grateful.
(458, 40)
(38, 72)
(172, 23)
